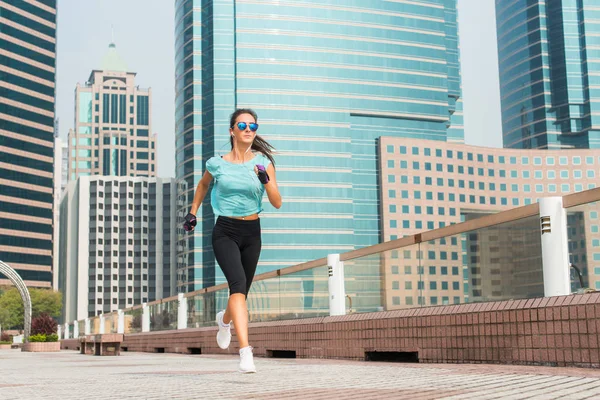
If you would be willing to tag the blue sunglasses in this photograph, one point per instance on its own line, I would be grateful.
(242, 126)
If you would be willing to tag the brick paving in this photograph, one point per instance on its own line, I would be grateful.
(69, 375)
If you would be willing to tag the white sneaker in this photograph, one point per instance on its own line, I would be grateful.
(247, 361)
(224, 334)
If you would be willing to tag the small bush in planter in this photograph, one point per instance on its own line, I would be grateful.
(5, 337)
(5, 342)
(52, 338)
(43, 324)
(40, 337)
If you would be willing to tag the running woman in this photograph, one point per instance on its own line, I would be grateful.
(242, 176)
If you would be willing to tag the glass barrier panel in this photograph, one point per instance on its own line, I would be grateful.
(163, 316)
(583, 234)
(264, 300)
(111, 322)
(94, 325)
(496, 263)
(133, 320)
(202, 308)
(196, 310)
(304, 294)
(383, 281)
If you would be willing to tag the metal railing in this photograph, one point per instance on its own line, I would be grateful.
(485, 258)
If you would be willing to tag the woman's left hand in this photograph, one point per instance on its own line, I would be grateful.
(271, 186)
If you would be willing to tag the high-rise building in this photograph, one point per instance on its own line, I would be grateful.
(113, 124)
(27, 107)
(548, 78)
(117, 243)
(327, 79)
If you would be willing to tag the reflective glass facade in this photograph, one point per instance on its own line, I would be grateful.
(327, 79)
(27, 86)
(548, 58)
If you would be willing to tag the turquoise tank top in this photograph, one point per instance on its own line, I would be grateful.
(236, 191)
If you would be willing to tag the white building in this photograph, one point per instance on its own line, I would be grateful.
(117, 243)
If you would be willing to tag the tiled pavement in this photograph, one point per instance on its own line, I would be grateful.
(68, 375)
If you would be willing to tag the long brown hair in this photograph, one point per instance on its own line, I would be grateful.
(259, 144)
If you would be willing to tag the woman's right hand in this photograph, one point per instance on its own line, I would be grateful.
(190, 222)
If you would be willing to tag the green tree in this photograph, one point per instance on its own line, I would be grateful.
(11, 309)
(42, 301)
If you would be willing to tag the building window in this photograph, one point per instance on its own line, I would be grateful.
(402, 149)
(563, 161)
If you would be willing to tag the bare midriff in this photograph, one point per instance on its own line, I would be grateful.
(247, 217)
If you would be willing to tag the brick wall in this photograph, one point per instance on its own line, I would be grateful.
(558, 331)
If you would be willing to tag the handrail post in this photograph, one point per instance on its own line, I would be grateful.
(555, 247)
(181, 312)
(145, 318)
(101, 331)
(337, 290)
(121, 321)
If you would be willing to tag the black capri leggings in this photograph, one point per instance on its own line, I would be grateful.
(236, 244)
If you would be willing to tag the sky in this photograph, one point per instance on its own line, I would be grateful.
(144, 36)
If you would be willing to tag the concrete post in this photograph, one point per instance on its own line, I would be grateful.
(88, 326)
(337, 289)
(67, 331)
(181, 312)
(121, 322)
(59, 332)
(145, 318)
(101, 331)
(555, 247)
(75, 330)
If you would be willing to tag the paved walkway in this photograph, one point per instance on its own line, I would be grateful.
(69, 375)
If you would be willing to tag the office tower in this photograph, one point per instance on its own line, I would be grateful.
(113, 124)
(547, 65)
(327, 79)
(429, 185)
(117, 243)
(27, 114)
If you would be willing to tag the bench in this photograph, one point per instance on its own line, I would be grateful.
(108, 344)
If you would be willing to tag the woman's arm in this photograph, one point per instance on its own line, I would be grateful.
(201, 191)
(272, 189)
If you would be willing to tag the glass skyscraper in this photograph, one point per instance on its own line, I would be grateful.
(27, 97)
(548, 63)
(327, 79)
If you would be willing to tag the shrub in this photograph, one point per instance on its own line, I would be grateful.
(37, 338)
(43, 324)
(5, 342)
(52, 338)
(5, 337)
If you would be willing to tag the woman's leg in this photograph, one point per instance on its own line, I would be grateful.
(237, 304)
(228, 255)
(238, 313)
